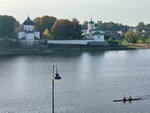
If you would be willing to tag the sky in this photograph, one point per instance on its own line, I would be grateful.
(128, 12)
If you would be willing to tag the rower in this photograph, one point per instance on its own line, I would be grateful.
(130, 98)
(124, 98)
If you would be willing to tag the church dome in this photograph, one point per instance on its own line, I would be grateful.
(91, 22)
(28, 21)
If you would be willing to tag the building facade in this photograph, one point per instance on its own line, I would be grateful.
(27, 33)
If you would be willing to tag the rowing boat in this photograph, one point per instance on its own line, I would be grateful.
(134, 99)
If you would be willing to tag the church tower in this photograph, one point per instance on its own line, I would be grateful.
(91, 25)
(28, 24)
(28, 34)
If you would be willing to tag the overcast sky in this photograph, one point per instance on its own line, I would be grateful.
(128, 12)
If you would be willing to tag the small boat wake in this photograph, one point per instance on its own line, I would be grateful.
(144, 97)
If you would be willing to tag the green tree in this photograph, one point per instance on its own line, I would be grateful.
(7, 26)
(47, 22)
(110, 40)
(84, 26)
(141, 26)
(111, 26)
(8, 43)
(147, 26)
(37, 23)
(132, 36)
(77, 29)
(16, 29)
(63, 29)
(103, 26)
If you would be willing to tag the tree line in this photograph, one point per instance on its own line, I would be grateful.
(52, 28)
(108, 26)
(140, 34)
(49, 27)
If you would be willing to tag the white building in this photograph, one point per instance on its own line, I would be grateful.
(93, 33)
(27, 34)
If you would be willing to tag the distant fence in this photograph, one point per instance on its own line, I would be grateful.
(70, 42)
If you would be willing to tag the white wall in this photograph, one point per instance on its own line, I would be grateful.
(90, 26)
(99, 37)
(28, 27)
(29, 37)
(82, 42)
(73, 42)
(21, 34)
(37, 34)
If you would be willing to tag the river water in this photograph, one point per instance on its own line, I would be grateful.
(90, 82)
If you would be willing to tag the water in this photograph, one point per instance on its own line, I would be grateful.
(90, 82)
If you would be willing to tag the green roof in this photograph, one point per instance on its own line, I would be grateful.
(97, 33)
(102, 42)
(91, 22)
(96, 30)
(84, 34)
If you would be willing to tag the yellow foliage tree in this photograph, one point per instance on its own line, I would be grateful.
(46, 34)
(132, 36)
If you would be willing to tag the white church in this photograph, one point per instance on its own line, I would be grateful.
(93, 33)
(27, 34)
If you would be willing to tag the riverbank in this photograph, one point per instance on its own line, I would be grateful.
(138, 45)
(54, 47)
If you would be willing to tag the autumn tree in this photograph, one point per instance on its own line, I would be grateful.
(46, 34)
(110, 40)
(62, 29)
(132, 36)
(45, 22)
(37, 23)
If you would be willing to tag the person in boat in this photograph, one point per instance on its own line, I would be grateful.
(124, 98)
(130, 98)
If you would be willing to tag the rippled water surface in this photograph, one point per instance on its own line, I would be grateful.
(90, 82)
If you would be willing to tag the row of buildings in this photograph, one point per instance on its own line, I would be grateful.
(28, 35)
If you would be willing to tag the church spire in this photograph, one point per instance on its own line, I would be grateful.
(91, 22)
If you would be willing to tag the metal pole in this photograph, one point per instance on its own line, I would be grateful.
(53, 89)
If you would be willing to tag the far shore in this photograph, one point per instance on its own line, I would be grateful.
(127, 46)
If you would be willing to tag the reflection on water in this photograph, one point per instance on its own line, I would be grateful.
(90, 81)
